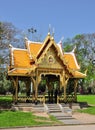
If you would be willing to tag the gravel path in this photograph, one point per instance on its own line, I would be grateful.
(83, 117)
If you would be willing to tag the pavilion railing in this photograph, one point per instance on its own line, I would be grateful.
(69, 98)
(44, 99)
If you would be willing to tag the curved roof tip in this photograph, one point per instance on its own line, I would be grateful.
(10, 46)
(74, 49)
(25, 38)
(86, 71)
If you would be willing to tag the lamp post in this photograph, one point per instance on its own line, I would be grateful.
(32, 30)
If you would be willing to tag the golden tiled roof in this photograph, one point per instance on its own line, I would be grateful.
(21, 58)
(71, 61)
(24, 59)
(33, 48)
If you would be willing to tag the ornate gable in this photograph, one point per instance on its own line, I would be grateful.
(49, 55)
(50, 58)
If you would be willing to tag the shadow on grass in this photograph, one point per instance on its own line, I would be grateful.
(5, 103)
(84, 105)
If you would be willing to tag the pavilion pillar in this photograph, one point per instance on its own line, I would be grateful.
(36, 92)
(65, 95)
(65, 86)
(15, 81)
(35, 88)
(75, 89)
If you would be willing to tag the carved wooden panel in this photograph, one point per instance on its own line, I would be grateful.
(50, 59)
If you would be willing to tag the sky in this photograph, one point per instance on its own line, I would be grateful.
(66, 17)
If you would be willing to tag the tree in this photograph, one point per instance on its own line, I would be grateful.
(5, 85)
(9, 34)
(85, 54)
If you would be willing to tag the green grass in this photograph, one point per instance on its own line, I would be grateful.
(89, 110)
(90, 99)
(18, 118)
(5, 101)
(14, 119)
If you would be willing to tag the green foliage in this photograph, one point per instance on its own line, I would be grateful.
(85, 53)
(5, 85)
(70, 86)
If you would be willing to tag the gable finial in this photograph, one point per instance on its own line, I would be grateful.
(53, 31)
(62, 38)
(53, 34)
(49, 29)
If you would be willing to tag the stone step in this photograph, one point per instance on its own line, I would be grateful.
(64, 118)
(71, 122)
(53, 108)
(54, 111)
(65, 105)
(23, 105)
(28, 107)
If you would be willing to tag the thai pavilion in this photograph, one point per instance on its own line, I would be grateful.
(44, 63)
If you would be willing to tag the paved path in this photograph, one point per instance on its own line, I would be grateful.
(70, 127)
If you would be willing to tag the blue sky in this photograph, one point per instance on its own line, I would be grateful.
(67, 17)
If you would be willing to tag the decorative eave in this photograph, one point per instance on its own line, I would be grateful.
(12, 49)
(76, 63)
(46, 41)
(28, 43)
(78, 74)
(22, 71)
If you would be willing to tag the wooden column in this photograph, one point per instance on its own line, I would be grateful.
(65, 86)
(75, 89)
(15, 81)
(65, 95)
(37, 81)
(34, 82)
(36, 93)
(35, 88)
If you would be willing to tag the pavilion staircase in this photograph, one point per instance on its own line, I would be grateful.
(53, 108)
(62, 112)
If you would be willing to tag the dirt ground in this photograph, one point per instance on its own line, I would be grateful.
(83, 117)
(42, 114)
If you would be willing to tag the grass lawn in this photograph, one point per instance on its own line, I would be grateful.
(90, 99)
(18, 118)
(89, 110)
